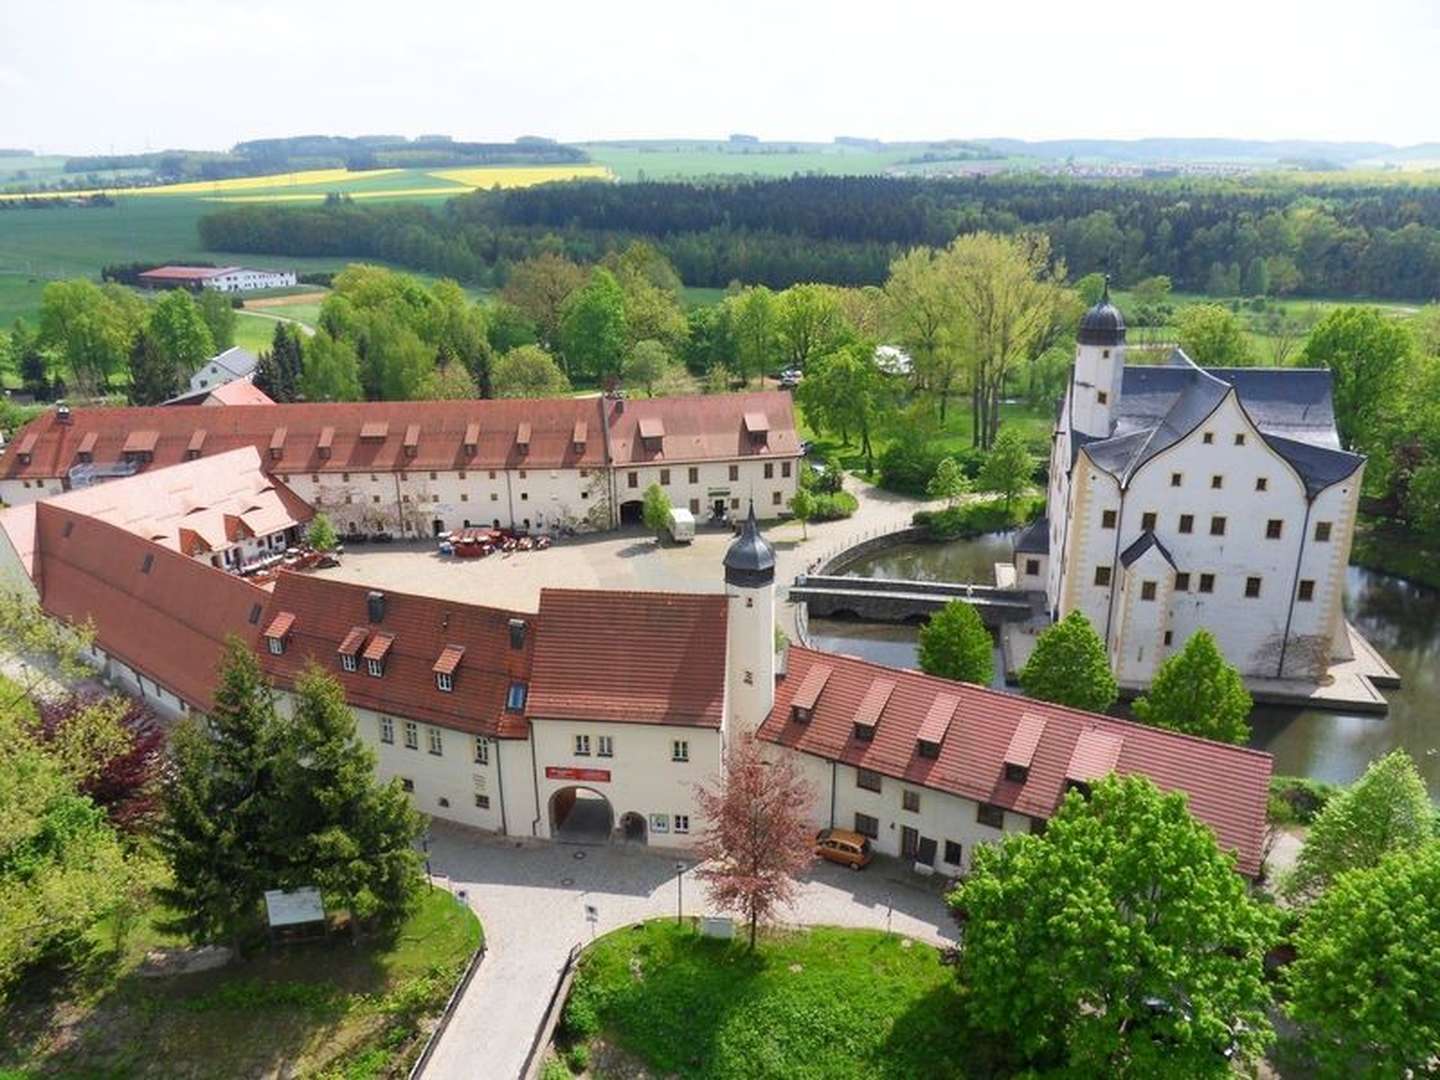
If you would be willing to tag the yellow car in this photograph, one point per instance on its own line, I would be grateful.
(844, 847)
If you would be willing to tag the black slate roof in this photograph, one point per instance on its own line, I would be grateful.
(1159, 405)
(750, 560)
(1143, 543)
(1034, 539)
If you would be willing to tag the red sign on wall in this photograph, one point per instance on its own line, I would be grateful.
(555, 772)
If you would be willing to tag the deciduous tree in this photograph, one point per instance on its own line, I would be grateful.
(646, 364)
(802, 508)
(923, 306)
(808, 321)
(1069, 666)
(1362, 987)
(1082, 952)
(539, 288)
(179, 331)
(757, 835)
(954, 644)
(1367, 354)
(528, 371)
(321, 533)
(755, 331)
(1212, 336)
(593, 331)
(91, 326)
(845, 391)
(219, 315)
(655, 511)
(1008, 466)
(1196, 691)
(331, 370)
(1386, 810)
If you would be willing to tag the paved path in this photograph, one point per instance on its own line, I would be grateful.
(531, 899)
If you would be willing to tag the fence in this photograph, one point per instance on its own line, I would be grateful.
(855, 545)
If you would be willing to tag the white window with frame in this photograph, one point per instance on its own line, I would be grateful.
(659, 823)
(387, 730)
(437, 742)
(277, 645)
(482, 750)
(682, 823)
(445, 681)
(375, 667)
(347, 661)
(582, 745)
(412, 735)
(680, 750)
(605, 746)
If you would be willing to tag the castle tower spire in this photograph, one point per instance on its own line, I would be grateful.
(750, 627)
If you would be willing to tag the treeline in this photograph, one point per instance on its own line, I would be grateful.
(1267, 235)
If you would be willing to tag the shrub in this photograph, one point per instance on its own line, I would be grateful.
(907, 466)
(554, 1069)
(1295, 800)
(834, 506)
(578, 1058)
(974, 519)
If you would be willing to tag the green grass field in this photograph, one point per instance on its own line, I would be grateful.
(825, 1002)
(299, 1010)
(681, 160)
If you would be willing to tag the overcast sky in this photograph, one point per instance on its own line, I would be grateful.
(91, 75)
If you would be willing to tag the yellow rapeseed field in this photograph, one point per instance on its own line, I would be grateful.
(521, 175)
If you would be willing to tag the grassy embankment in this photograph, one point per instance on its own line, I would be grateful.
(326, 1008)
(823, 1002)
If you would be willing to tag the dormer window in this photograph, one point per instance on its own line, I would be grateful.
(515, 697)
(444, 682)
(347, 661)
(927, 749)
(444, 668)
(375, 667)
(864, 732)
(799, 714)
(277, 634)
(349, 649)
(1078, 785)
(1016, 774)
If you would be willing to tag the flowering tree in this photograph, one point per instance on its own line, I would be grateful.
(112, 747)
(757, 836)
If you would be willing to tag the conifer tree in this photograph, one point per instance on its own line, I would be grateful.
(217, 824)
(153, 375)
(336, 827)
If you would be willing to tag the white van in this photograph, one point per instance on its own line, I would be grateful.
(682, 525)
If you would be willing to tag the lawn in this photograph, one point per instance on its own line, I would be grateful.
(299, 1010)
(817, 1003)
(955, 436)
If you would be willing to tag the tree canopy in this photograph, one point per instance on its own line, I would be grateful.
(1008, 467)
(528, 371)
(1082, 952)
(1196, 691)
(1212, 336)
(1362, 986)
(1070, 666)
(955, 645)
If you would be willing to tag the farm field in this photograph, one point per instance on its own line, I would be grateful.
(315, 184)
(683, 160)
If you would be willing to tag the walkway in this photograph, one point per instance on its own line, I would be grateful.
(531, 899)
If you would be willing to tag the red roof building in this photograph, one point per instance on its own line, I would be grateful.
(630, 657)
(483, 652)
(1006, 751)
(161, 614)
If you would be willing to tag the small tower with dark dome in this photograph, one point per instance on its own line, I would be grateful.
(1099, 368)
(750, 632)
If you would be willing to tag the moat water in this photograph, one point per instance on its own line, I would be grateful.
(1401, 619)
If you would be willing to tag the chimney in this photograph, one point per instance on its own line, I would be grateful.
(62, 413)
(375, 606)
(517, 633)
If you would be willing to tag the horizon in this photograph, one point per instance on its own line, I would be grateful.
(1277, 72)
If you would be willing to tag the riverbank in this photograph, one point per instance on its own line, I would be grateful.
(1388, 547)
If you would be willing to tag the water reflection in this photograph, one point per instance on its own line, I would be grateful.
(1400, 619)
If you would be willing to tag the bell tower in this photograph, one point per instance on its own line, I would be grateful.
(1099, 368)
(750, 628)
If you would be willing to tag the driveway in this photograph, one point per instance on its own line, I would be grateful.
(532, 898)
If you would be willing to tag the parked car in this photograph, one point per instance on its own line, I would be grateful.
(790, 378)
(844, 847)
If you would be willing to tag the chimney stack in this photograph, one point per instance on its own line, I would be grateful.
(375, 606)
(517, 633)
(62, 413)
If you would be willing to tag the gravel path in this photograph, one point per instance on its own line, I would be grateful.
(531, 899)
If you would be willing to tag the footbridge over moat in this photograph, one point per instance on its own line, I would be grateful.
(891, 600)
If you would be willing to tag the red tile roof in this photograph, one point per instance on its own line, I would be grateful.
(280, 625)
(1095, 756)
(185, 273)
(1226, 785)
(331, 616)
(169, 622)
(937, 720)
(631, 657)
(703, 428)
(867, 713)
(378, 646)
(1028, 732)
(239, 392)
(139, 442)
(809, 690)
(507, 432)
(449, 660)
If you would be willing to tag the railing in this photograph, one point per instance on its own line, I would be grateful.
(551, 1017)
(818, 564)
(454, 1000)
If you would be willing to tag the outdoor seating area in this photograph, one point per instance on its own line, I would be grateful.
(263, 570)
(479, 543)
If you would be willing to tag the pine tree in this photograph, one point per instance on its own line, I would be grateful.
(337, 828)
(1070, 667)
(1197, 692)
(218, 823)
(153, 375)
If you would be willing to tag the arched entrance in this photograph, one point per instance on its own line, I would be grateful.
(632, 827)
(632, 512)
(580, 815)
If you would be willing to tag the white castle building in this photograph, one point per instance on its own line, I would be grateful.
(1184, 497)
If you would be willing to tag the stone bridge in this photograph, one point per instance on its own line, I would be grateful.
(890, 600)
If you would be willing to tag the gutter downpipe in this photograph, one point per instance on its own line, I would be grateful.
(535, 776)
(500, 779)
(834, 766)
(1295, 585)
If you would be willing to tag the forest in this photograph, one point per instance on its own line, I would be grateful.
(1261, 236)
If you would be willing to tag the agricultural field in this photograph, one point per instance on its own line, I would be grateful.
(684, 160)
(315, 184)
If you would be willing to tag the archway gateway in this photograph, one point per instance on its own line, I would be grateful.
(580, 815)
(633, 828)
